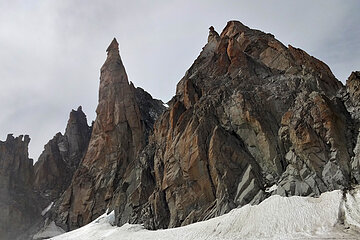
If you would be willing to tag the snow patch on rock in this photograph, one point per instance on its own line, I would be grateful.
(272, 188)
(47, 209)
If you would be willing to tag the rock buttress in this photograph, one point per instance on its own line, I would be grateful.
(19, 205)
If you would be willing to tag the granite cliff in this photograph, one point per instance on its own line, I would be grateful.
(251, 118)
(249, 114)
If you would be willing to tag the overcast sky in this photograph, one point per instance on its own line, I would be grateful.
(51, 51)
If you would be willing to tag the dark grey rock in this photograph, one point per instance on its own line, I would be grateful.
(20, 206)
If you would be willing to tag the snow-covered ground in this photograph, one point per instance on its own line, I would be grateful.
(331, 216)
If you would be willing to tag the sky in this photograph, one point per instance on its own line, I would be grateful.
(51, 51)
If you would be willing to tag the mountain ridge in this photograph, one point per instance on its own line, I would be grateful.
(249, 113)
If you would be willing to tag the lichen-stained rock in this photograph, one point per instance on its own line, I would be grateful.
(118, 135)
(61, 157)
(19, 205)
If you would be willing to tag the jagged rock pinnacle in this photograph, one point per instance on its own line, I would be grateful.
(116, 139)
(113, 54)
(114, 45)
(61, 156)
(212, 34)
(113, 60)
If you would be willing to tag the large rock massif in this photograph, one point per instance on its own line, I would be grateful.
(250, 113)
(250, 118)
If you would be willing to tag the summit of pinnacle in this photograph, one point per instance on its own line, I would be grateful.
(212, 34)
(113, 59)
(114, 45)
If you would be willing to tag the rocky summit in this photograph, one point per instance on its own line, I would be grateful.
(118, 137)
(251, 118)
(250, 113)
(61, 157)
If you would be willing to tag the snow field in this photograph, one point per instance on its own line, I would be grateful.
(326, 217)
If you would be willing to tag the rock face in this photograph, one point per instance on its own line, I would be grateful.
(150, 109)
(119, 134)
(25, 190)
(19, 208)
(250, 118)
(61, 157)
(249, 113)
(352, 102)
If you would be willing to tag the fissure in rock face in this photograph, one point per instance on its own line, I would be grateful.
(249, 114)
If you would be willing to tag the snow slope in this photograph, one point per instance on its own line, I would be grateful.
(333, 215)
